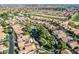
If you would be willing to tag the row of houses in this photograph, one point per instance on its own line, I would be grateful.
(66, 26)
(53, 12)
(75, 48)
(73, 44)
(2, 39)
(25, 41)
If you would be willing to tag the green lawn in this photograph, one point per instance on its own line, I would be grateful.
(45, 16)
(76, 18)
(72, 24)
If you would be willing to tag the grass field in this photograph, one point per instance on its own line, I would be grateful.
(76, 18)
(45, 16)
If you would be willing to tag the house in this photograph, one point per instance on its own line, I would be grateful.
(76, 50)
(17, 28)
(2, 34)
(2, 48)
(21, 45)
(66, 51)
(73, 44)
(30, 48)
(2, 37)
(64, 24)
(76, 31)
(25, 44)
(60, 33)
(27, 49)
(1, 29)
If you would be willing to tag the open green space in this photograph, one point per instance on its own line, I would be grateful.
(76, 18)
(44, 16)
(72, 24)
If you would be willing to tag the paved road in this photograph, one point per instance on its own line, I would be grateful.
(11, 41)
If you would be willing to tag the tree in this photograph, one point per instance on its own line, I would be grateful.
(72, 24)
(5, 51)
(63, 44)
(3, 23)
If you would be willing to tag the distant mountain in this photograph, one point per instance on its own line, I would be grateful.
(39, 5)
